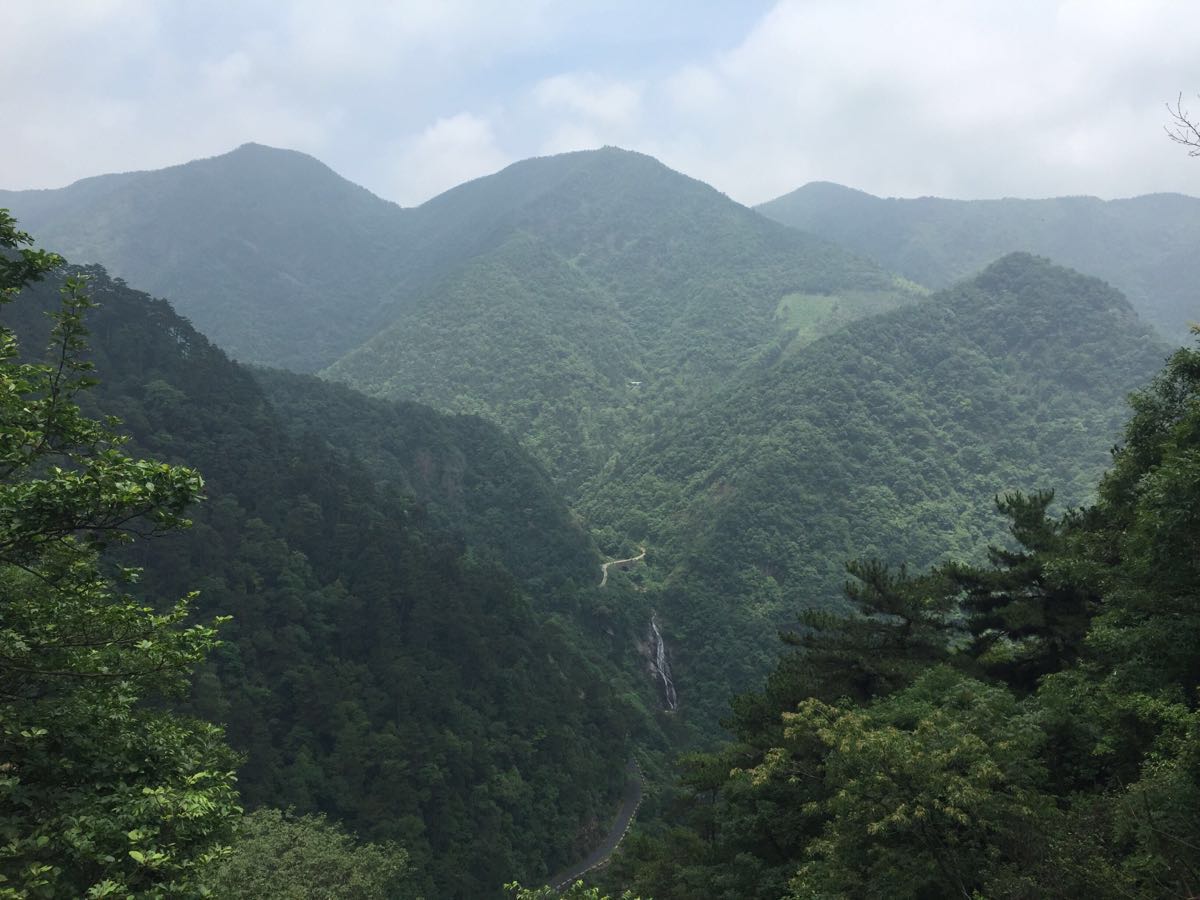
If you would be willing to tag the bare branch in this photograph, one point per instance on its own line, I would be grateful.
(1183, 129)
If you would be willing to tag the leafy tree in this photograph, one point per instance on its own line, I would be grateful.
(282, 856)
(1143, 538)
(577, 891)
(101, 793)
(1049, 748)
(926, 789)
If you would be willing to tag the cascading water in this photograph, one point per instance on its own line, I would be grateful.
(659, 664)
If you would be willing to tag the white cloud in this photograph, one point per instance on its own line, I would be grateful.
(977, 99)
(450, 151)
(992, 97)
(593, 99)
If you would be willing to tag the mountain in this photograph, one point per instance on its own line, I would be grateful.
(534, 296)
(1144, 246)
(611, 291)
(259, 247)
(887, 439)
(468, 476)
(383, 665)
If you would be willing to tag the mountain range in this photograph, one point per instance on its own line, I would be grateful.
(438, 421)
(585, 271)
(1143, 246)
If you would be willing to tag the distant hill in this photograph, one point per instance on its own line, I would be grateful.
(611, 291)
(887, 439)
(283, 262)
(260, 248)
(1145, 246)
(533, 296)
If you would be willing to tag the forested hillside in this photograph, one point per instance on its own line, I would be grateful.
(533, 296)
(621, 365)
(281, 261)
(1143, 246)
(1025, 727)
(382, 665)
(886, 439)
(260, 248)
(469, 477)
(617, 291)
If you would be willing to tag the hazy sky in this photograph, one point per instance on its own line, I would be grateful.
(962, 98)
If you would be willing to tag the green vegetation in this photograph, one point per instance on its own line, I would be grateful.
(1143, 246)
(260, 248)
(811, 316)
(1028, 727)
(280, 856)
(614, 293)
(577, 891)
(885, 439)
(532, 297)
(101, 793)
(377, 668)
(466, 475)
(421, 665)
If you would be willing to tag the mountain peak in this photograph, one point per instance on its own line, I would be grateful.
(832, 189)
(601, 171)
(261, 160)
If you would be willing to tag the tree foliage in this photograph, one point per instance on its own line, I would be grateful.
(101, 793)
(886, 440)
(282, 856)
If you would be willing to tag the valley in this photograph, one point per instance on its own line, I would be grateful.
(422, 431)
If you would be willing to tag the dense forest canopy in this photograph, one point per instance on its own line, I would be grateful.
(884, 439)
(1024, 727)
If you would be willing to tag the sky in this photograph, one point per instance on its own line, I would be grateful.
(954, 98)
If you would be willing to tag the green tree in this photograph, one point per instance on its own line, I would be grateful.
(280, 856)
(103, 792)
(927, 789)
(1027, 612)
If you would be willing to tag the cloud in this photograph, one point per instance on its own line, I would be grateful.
(450, 151)
(583, 111)
(148, 84)
(990, 98)
(977, 99)
(590, 98)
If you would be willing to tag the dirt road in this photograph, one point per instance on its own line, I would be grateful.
(617, 562)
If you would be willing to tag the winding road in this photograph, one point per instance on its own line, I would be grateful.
(618, 562)
(631, 799)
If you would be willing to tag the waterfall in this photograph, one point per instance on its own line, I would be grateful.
(660, 665)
